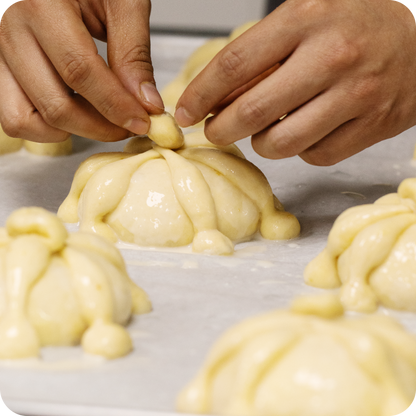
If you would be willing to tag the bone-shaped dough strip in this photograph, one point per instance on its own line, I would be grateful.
(33, 220)
(353, 220)
(105, 190)
(368, 250)
(275, 223)
(88, 241)
(103, 337)
(68, 211)
(195, 197)
(27, 258)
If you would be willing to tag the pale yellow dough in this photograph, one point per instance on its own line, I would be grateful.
(307, 361)
(49, 149)
(371, 254)
(61, 289)
(153, 196)
(196, 63)
(165, 132)
(10, 145)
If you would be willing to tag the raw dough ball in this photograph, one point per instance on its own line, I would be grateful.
(198, 60)
(371, 253)
(307, 361)
(199, 194)
(165, 132)
(58, 289)
(9, 144)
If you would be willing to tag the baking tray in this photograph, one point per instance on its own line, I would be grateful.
(195, 297)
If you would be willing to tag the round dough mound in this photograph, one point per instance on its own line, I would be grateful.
(58, 289)
(307, 361)
(11, 145)
(371, 253)
(153, 196)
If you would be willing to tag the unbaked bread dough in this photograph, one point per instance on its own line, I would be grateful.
(198, 60)
(371, 253)
(201, 194)
(307, 361)
(62, 289)
(11, 144)
(49, 149)
(165, 132)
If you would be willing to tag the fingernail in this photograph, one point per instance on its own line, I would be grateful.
(151, 94)
(183, 118)
(137, 126)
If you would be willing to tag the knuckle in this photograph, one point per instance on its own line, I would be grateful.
(139, 57)
(13, 125)
(110, 105)
(368, 89)
(342, 53)
(319, 155)
(75, 69)
(251, 114)
(232, 64)
(54, 111)
(287, 144)
(279, 144)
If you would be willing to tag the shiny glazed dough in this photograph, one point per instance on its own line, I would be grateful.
(10, 145)
(371, 254)
(199, 194)
(307, 361)
(58, 289)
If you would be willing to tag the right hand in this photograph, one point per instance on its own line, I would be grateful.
(47, 52)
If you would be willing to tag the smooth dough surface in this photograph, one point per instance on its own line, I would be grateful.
(61, 289)
(371, 254)
(309, 360)
(201, 194)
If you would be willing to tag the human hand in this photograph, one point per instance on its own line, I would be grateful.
(47, 52)
(347, 80)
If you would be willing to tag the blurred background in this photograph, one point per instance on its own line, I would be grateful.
(212, 17)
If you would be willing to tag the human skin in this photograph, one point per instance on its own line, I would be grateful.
(343, 71)
(47, 52)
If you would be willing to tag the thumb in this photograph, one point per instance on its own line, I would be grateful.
(128, 39)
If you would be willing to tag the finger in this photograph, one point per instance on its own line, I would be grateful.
(19, 117)
(74, 55)
(306, 126)
(344, 142)
(240, 91)
(54, 100)
(286, 89)
(128, 39)
(238, 63)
